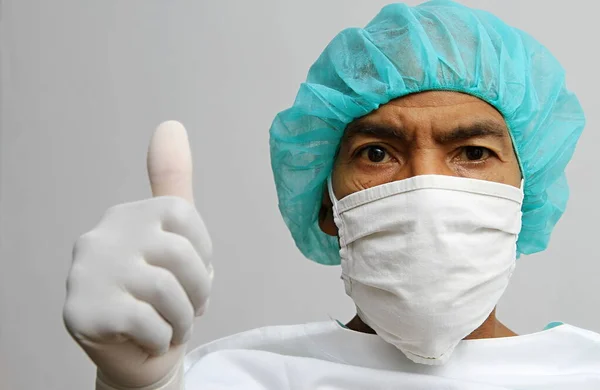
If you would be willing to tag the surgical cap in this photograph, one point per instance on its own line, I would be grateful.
(438, 45)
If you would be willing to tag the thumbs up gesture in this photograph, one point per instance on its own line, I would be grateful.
(140, 277)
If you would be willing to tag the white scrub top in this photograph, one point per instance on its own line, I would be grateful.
(327, 356)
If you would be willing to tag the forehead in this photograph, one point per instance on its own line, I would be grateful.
(440, 108)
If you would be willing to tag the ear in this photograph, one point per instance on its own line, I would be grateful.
(326, 222)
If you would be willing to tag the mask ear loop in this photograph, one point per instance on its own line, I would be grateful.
(332, 197)
(519, 254)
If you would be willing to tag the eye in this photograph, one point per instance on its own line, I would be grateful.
(475, 153)
(375, 154)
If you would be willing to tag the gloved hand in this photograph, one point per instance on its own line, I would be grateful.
(139, 278)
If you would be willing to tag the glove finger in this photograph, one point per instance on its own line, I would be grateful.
(182, 218)
(146, 328)
(160, 288)
(177, 254)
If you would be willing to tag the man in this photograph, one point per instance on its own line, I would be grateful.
(424, 154)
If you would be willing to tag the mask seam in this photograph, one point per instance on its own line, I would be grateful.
(426, 182)
(341, 236)
(343, 208)
(345, 258)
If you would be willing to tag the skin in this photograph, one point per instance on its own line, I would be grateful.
(436, 132)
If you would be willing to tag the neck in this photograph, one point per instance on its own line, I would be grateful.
(491, 328)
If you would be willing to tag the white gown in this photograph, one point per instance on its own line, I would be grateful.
(327, 356)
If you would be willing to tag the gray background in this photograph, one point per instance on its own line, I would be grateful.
(84, 83)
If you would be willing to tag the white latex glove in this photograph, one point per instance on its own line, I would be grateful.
(139, 278)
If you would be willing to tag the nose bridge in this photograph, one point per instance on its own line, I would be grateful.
(424, 155)
(428, 161)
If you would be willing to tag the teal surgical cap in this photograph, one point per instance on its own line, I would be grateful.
(438, 45)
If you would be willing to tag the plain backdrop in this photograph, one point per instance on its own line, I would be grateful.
(84, 84)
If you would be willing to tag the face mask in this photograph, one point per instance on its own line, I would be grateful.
(426, 259)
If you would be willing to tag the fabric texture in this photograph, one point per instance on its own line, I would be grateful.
(438, 45)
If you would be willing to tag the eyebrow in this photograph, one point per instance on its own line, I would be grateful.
(355, 129)
(483, 128)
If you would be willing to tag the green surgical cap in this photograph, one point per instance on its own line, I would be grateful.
(438, 45)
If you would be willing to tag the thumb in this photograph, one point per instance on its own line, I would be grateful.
(170, 162)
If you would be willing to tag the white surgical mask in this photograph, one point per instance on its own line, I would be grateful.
(426, 259)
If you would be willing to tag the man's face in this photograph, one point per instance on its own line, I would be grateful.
(429, 133)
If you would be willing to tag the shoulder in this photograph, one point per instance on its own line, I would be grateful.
(576, 345)
(576, 333)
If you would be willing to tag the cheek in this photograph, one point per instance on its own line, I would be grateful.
(476, 173)
(364, 180)
(498, 172)
(348, 178)
(348, 183)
